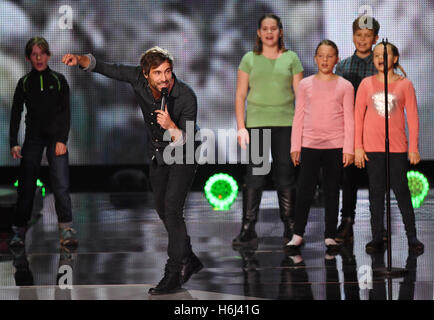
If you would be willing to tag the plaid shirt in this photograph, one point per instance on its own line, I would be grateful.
(355, 69)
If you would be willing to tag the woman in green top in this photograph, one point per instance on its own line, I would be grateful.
(268, 77)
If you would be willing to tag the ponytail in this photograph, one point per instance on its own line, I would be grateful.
(397, 65)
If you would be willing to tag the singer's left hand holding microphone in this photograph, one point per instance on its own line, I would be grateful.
(164, 120)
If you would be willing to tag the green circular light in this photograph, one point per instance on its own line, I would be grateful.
(221, 190)
(419, 187)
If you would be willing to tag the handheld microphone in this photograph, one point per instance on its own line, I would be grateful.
(164, 93)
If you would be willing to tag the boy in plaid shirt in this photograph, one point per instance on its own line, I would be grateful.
(354, 69)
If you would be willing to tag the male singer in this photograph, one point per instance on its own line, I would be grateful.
(170, 183)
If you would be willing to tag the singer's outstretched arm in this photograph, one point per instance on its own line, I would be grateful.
(88, 62)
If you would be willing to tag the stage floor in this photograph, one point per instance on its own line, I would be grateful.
(122, 253)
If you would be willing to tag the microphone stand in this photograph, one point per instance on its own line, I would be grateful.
(389, 272)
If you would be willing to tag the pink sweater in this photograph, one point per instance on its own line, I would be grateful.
(369, 116)
(324, 115)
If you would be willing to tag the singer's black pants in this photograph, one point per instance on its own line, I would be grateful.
(170, 184)
(377, 189)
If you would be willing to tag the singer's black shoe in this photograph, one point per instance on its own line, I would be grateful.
(171, 283)
(191, 266)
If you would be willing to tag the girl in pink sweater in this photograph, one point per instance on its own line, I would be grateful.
(370, 143)
(322, 137)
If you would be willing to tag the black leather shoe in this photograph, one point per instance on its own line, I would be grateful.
(191, 266)
(171, 283)
(374, 247)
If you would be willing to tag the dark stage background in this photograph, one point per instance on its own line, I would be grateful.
(207, 39)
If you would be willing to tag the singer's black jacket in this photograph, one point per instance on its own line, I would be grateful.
(181, 105)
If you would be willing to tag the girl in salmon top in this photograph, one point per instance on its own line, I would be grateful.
(370, 145)
(322, 137)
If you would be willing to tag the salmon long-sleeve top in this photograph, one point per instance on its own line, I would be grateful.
(370, 121)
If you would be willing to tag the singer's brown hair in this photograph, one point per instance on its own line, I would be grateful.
(154, 57)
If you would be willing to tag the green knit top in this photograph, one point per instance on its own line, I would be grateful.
(270, 101)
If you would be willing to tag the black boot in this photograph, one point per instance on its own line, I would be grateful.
(170, 283)
(344, 232)
(414, 245)
(286, 207)
(251, 202)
